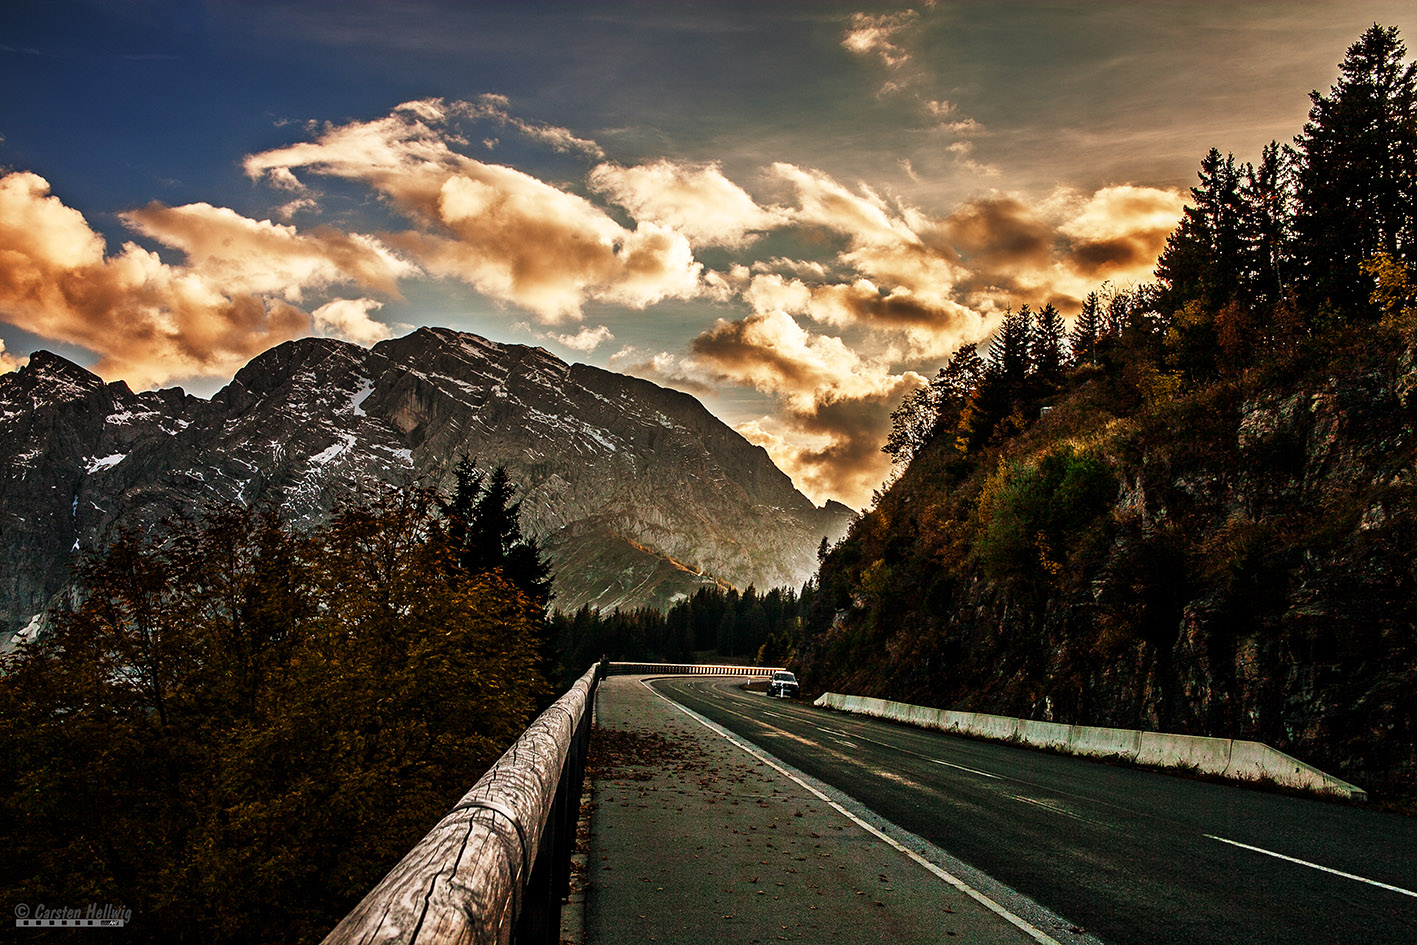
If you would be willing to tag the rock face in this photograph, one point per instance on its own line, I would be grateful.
(637, 493)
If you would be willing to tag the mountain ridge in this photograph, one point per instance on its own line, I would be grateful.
(642, 487)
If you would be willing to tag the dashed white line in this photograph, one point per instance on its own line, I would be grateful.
(1326, 869)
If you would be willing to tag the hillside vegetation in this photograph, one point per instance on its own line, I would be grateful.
(1194, 511)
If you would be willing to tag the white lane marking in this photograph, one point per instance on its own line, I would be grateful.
(1038, 935)
(1326, 869)
(982, 774)
(832, 731)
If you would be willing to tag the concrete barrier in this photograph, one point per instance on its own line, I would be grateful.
(1051, 735)
(1094, 741)
(1208, 755)
(998, 727)
(1253, 761)
(1234, 759)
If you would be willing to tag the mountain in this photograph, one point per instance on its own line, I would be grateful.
(637, 493)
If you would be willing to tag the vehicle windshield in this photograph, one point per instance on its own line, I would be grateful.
(784, 677)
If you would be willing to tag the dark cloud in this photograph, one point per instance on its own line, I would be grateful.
(999, 232)
(1102, 257)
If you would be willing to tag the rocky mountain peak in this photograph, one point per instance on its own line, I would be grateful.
(49, 378)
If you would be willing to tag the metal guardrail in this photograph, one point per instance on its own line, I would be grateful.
(497, 866)
(687, 669)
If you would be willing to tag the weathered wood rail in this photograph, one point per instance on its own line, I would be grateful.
(496, 867)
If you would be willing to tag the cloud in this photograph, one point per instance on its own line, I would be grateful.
(511, 236)
(149, 321)
(246, 255)
(999, 232)
(693, 199)
(1011, 251)
(835, 404)
(905, 275)
(1118, 232)
(495, 107)
(877, 36)
(587, 339)
(349, 319)
(9, 362)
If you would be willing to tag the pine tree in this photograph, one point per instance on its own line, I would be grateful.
(1266, 226)
(483, 527)
(922, 412)
(1045, 347)
(1086, 330)
(1008, 363)
(1357, 182)
(1204, 256)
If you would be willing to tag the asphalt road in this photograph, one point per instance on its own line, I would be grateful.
(1133, 856)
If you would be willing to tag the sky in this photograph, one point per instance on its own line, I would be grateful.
(795, 211)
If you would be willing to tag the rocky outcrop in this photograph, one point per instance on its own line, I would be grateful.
(639, 490)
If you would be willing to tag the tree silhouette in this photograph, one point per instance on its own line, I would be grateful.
(1357, 182)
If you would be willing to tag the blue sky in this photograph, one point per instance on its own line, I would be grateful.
(795, 211)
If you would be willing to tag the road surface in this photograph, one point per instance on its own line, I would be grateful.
(1130, 855)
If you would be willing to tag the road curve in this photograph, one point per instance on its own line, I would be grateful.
(1131, 855)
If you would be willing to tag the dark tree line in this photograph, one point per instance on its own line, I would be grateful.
(715, 623)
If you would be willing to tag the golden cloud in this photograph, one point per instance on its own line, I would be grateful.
(9, 362)
(246, 255)
(511, 236)
(835, 404)
(693, 199)
(587, 339)
(150, 322)
(349, 319)
(876, 36)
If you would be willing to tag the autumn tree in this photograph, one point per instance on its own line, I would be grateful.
(237, 728)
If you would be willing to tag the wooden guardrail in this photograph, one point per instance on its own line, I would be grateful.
(497, 866)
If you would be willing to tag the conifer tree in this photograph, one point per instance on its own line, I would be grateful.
(1204, 256)
(1045, 347)
(1083, 340)
(1266, 227)
(483, 527)
(1357, 182)
(1008, 363)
